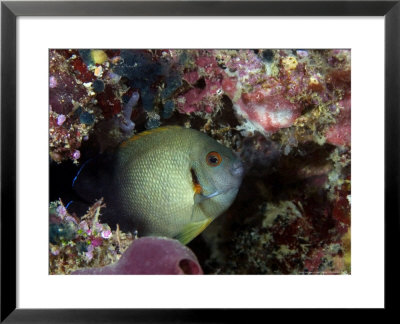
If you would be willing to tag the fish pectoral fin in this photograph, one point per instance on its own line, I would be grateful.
(198, 198)
(190, 231)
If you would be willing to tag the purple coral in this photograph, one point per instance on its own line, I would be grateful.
(53, 82)
(61, 211)
(106, 234)
(151, 255)
(127, 125)
(76, 155)
(61, 119)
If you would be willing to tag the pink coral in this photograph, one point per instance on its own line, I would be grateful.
(270, 102)
(247, 67)
(151, 255)
(106, 234)
(261, 99)
(206, 96)
(268, 113)
(198, 99)
(65, 138)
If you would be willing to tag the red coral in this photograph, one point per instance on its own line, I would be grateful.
(109, 103)
(64, 89)
(81, 70)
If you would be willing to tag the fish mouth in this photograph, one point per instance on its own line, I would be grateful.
(237, 169)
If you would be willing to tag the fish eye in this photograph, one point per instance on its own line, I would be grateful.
(213, 159)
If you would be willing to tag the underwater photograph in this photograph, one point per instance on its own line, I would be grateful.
(200, 161)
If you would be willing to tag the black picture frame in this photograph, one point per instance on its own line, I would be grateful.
(10, 10)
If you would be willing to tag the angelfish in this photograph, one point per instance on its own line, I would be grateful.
(170, 181)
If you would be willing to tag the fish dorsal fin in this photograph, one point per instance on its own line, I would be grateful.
(148, 132)
(191, 230)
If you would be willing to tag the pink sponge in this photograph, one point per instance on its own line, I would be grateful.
(151, 255)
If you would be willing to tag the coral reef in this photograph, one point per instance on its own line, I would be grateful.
(79, 242)
(287, 113)
(86, 243)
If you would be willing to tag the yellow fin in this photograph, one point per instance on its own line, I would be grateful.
(190, 231)
(148, 132)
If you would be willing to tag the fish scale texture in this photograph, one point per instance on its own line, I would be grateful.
(158, 188)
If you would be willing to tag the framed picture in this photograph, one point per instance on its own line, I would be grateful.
(279, 177)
